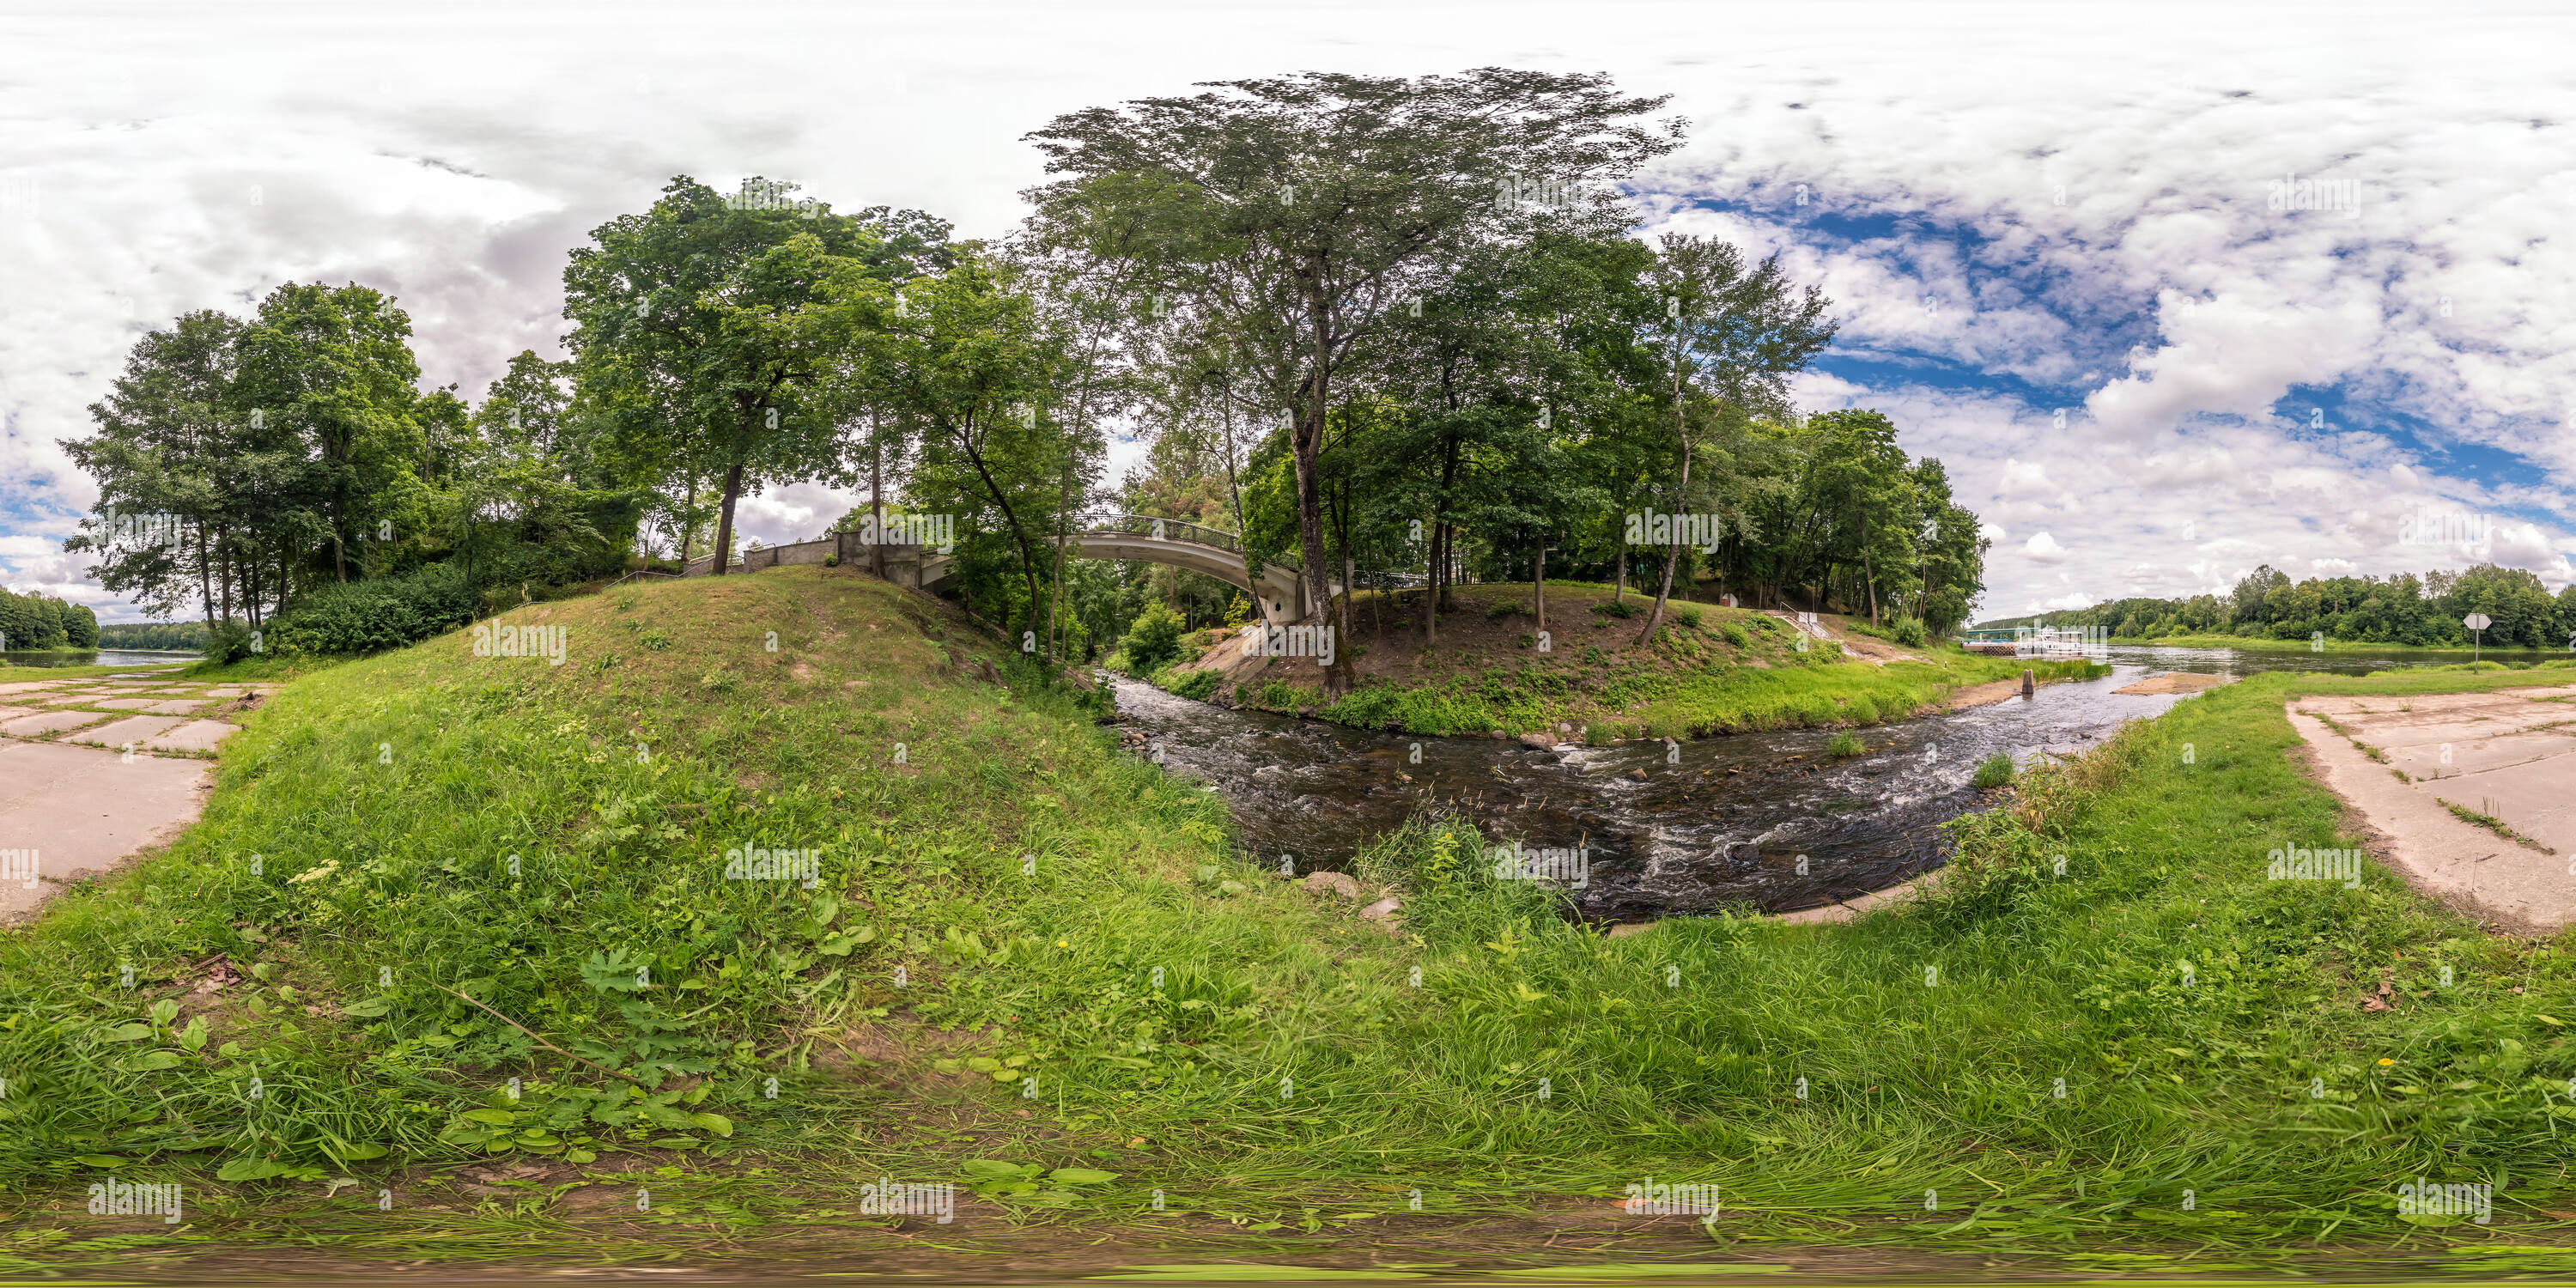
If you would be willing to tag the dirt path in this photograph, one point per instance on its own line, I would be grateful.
(2403, 763)
(94, 772)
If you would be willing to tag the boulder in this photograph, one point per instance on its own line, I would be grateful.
(1339, 884)
(1383, 910)
(1538, 741)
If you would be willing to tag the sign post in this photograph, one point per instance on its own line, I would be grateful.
(2476, 622)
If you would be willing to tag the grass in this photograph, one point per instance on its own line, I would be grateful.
(1192, 1024)
(2490, 822)
(2302, 645)
(1845, 745)
(1995, 771)
(1691, 682)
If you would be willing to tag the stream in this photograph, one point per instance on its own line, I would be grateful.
(1722, 825)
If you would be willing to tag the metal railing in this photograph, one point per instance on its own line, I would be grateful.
(1159, 529)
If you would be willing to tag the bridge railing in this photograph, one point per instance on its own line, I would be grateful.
(1159, 529)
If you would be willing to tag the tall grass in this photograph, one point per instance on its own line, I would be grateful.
(1069, 917)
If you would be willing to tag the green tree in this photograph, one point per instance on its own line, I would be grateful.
(1295, 215)
(1731, 335)
(686, 336)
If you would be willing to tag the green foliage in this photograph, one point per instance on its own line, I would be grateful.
(1844, 746)
(367, 616)
(1907, 631)
(1198, 686)
(1735, 635)
(1153, 640)
(1618, 608)
(229, 642)
(2424, 611)
(1994, 771)
(39, 623)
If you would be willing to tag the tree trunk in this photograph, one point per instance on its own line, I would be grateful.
(724, 521)
(1538, 583)
(876, 499)
(205, 577)
(1681, 498)
(689, 522)
(1619, 589)
(1063, 529)
(1306, 440)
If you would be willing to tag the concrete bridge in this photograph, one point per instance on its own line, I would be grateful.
(1280, 588)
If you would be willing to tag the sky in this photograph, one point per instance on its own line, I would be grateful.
(2173, 290)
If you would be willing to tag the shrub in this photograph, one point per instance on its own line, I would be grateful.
(1845, 746)
(1153, 639)
(1498, 611)
(1995, 770)
(228, 642)
(1686, 614)
(380, 613)
(1614, 608)
(1907, 631)
(832, 561)
(1198, 686)
(1863, 711)
(1735, 635)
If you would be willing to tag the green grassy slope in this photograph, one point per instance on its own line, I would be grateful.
(1089, 983)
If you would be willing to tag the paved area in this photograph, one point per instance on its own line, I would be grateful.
(82, 809)
(73, 801)
(2509, 754)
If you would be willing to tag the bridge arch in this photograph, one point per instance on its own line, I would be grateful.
(1200, 549)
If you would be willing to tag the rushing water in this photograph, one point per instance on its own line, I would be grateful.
(98, 657)
(1721, 822)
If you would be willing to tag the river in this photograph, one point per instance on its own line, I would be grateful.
(1723, 822)
(99, 657)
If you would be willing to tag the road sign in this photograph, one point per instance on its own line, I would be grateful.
(2477, 621)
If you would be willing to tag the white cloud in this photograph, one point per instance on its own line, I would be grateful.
(2111, 164)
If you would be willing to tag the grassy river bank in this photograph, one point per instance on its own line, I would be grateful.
(1029, 965)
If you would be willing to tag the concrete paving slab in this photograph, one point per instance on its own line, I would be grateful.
(86, 810)
(2522, 779)
(196, 735)
(134, 729)
(174, 706)
(71, 699)
(2480, 754)
(29, 686)
(30, 726)
(122, 704)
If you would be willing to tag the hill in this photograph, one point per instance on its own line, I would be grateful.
(524, 946)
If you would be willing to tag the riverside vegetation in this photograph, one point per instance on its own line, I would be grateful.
(1708, 670)
(547, 842)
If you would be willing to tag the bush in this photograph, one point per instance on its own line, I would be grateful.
(229, 642)
(1845, 746)
(380, 613)
(1735, 635)
(1686, 614)
(1498, 611)
(1614, 608)
(1197, 686)
(1153, 639)
(832, 561)
(1907, 631)
(1995, 770)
